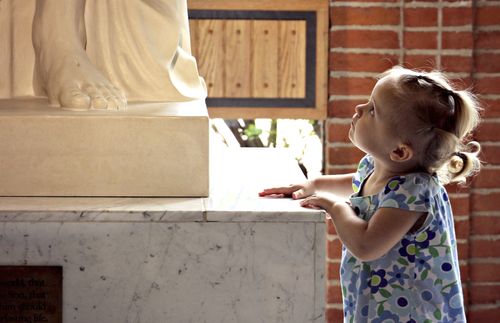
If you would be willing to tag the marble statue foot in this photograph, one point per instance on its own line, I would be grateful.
(72, 82)
(63, 70)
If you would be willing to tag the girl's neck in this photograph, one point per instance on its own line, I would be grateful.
(380, 176)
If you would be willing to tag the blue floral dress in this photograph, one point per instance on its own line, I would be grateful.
(418, 280)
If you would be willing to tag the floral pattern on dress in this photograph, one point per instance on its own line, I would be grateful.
(418, 280)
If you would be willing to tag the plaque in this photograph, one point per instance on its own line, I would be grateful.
(30, 294)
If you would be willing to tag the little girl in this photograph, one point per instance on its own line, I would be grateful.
(399, 260)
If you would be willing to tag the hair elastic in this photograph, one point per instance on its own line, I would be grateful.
(461, 155)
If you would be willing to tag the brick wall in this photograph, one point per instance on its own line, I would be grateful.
(461, 38)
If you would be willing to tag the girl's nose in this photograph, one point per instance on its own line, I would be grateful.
(358, 109)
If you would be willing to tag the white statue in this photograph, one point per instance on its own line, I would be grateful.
(97, 54)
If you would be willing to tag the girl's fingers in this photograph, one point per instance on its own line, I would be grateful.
(310, 201)
(311, 206)
(286, 191)
(298, 194)
(314, 202)
(269, 191)
(273, 195)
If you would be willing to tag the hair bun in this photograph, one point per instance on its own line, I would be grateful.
(456, 164)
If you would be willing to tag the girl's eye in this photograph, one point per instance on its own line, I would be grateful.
(372, 111)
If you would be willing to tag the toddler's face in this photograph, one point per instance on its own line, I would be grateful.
(373, 127)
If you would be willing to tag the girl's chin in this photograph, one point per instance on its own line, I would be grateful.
(351, 134)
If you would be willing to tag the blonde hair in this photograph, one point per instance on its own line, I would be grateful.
(439, 123)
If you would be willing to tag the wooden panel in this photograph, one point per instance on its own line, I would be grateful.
(237, 58)
(309, 98)
(290, 5)
(195, 38)
(292, 63)
(207, 37)
(264, 66)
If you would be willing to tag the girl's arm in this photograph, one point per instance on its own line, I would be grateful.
(367, 240)
(340, 185)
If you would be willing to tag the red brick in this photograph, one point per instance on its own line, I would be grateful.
(421, 62)
(364, 16)
(491, 108)
(362, 62)
(487, 85)
(486, 202)
(457, 40)
(463, 251)
(464, 83)
(364, 39)
(462, 229)
(485, 224)
(487, 178)
(333, 271)
(338, 132)
(483, 294)
(460, 205)
(464, 272)
(420, 17)
(483, 315)
(344, 155)
(334, 295)
(457, 63)
(334, 249)
(491, 154)
(457, 188)
(488, 131)
(487, 15)
(487, 63)
(351, 85)
(485, 272)
(465, 291)
(484, 248)
(334, 315)
(344, 108)
(419, 40)
(346, 170)
(488, 40)
(330, 227)
(457, 16)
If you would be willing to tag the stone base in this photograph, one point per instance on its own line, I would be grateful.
(152, 149)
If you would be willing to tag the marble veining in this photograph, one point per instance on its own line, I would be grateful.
(177, 272)
(101, 209)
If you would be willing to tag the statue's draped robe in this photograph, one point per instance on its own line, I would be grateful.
(141, 46)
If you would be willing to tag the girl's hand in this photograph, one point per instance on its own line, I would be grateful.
(295, 191)
(325, 202)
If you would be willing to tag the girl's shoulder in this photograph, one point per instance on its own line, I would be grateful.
(365, 167)
(413, 191)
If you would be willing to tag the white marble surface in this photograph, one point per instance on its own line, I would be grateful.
(179, 272)
(33, 209)
(232, 257)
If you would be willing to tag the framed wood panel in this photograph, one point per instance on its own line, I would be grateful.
(262, 58)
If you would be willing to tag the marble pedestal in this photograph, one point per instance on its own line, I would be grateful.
(152, 149)
(231, 257)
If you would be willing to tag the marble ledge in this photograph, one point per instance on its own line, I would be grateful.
(65, 209)
(55, 209)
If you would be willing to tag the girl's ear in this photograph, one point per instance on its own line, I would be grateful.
(402, 153)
